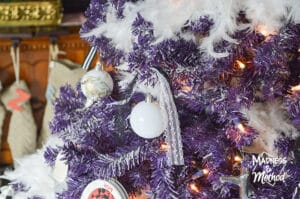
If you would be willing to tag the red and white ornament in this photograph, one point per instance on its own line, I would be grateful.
(111, 189)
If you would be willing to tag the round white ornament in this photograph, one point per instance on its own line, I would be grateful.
(146, 120)
(96, 84)
(111, 189)
(60, 170)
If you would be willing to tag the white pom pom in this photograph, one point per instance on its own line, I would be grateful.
(146, 120)
(96, 84)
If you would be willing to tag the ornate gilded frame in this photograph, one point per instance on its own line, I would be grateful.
(30, 13)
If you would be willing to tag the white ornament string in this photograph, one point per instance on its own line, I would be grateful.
(170, 115)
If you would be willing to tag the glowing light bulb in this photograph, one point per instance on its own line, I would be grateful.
(241, 128)
(193, 162)
(237, 158)
(184, 86)
(200, 174)
(296, 88)
(186, 89)
(193, 186)
(205, 171)
(264, 30)
(164, 147)
(240, 64)
(264, 33)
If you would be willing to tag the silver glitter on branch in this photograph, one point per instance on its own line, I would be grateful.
(117, 166)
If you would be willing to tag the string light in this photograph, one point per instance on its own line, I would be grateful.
(186, 88)
(241, 128)
(264, 30)
(164, 147)
(205, 171)
(193, 162)
(193, 186)
(240, 64)
(237, 158)
(200, 174)
(296, 88)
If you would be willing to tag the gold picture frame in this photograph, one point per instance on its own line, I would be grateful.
(30, 13)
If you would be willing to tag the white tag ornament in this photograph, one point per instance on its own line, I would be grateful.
(111, 189)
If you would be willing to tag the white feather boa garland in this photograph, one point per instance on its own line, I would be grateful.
(35, 175)
(169, 16)
(272, 123)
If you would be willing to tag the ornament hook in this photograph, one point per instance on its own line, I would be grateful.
(89, 58)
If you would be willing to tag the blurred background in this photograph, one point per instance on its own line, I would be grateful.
(36, 28)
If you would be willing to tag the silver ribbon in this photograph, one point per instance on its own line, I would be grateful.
(172, 132)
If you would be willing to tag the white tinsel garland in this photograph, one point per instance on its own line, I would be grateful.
(34, 174)
(271, 123)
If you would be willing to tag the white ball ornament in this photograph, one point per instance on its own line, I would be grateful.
(146, 120)
(96, 84)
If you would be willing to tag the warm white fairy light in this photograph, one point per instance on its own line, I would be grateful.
(200, 173)
(164, 147)
(241, 128)
(205, 171)
(193, 186)
(295, 88)
(264, 30)
(240, 64)
(186, 89)
(237, 158)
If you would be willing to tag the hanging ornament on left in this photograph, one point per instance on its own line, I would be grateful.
(96, 84)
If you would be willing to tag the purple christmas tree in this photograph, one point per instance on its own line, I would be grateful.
(234, 83)
(211, 94)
